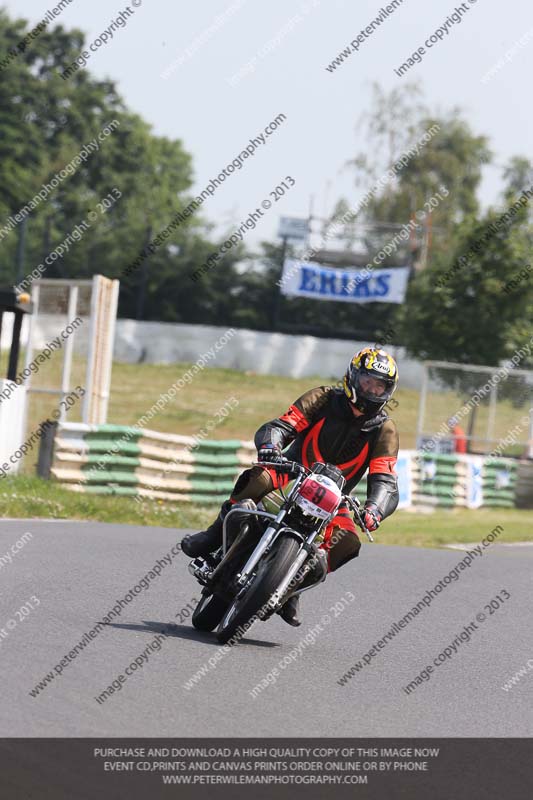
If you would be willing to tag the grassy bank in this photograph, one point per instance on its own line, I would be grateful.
(28, 497)
(136, 387)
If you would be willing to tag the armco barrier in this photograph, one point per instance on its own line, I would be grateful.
(117, 459)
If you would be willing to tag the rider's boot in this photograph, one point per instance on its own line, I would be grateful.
(205, 542)
(290, 610)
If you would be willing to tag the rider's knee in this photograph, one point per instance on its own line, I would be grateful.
(346, 548)
(253, 483)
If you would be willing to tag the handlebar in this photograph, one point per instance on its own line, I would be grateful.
(355, 505)
(284, 467)
(294, 468)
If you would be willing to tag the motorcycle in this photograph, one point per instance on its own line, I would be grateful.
(268, 549)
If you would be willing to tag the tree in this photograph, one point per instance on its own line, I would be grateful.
(518, 175)
(452, 158)
(45, 122)
(464, 307)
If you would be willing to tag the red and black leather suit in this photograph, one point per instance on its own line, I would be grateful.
(321, 426)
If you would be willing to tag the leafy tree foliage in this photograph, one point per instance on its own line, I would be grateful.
(475, 307)
(45, 121)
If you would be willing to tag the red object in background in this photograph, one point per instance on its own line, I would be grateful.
(459, 439)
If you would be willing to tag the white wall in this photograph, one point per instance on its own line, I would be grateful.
(12, 407)
(247, 350)
(256, 351)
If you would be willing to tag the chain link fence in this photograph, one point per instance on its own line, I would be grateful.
(473, 409)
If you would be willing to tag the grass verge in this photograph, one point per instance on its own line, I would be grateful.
(28, 497)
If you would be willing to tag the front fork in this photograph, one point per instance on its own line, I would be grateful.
(271, 533)
(265, 543)
(308, 549)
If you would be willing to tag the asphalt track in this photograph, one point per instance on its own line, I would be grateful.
(78, 570)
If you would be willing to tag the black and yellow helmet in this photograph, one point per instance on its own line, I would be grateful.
(370, 380)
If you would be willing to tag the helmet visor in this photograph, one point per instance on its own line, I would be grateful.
(371, 387)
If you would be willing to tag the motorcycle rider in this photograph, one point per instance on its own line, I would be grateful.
(347, 427)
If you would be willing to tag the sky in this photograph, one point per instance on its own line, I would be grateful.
(189, 70)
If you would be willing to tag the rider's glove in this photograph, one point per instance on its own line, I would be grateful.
(371, 517)
(269, 452)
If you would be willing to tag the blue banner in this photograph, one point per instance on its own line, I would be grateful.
(348, 285)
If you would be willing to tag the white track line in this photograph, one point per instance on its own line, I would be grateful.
(499, 544)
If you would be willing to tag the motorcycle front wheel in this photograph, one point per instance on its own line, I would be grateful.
(272, 569)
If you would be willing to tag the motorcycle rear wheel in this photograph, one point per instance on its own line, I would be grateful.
(209, 612)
